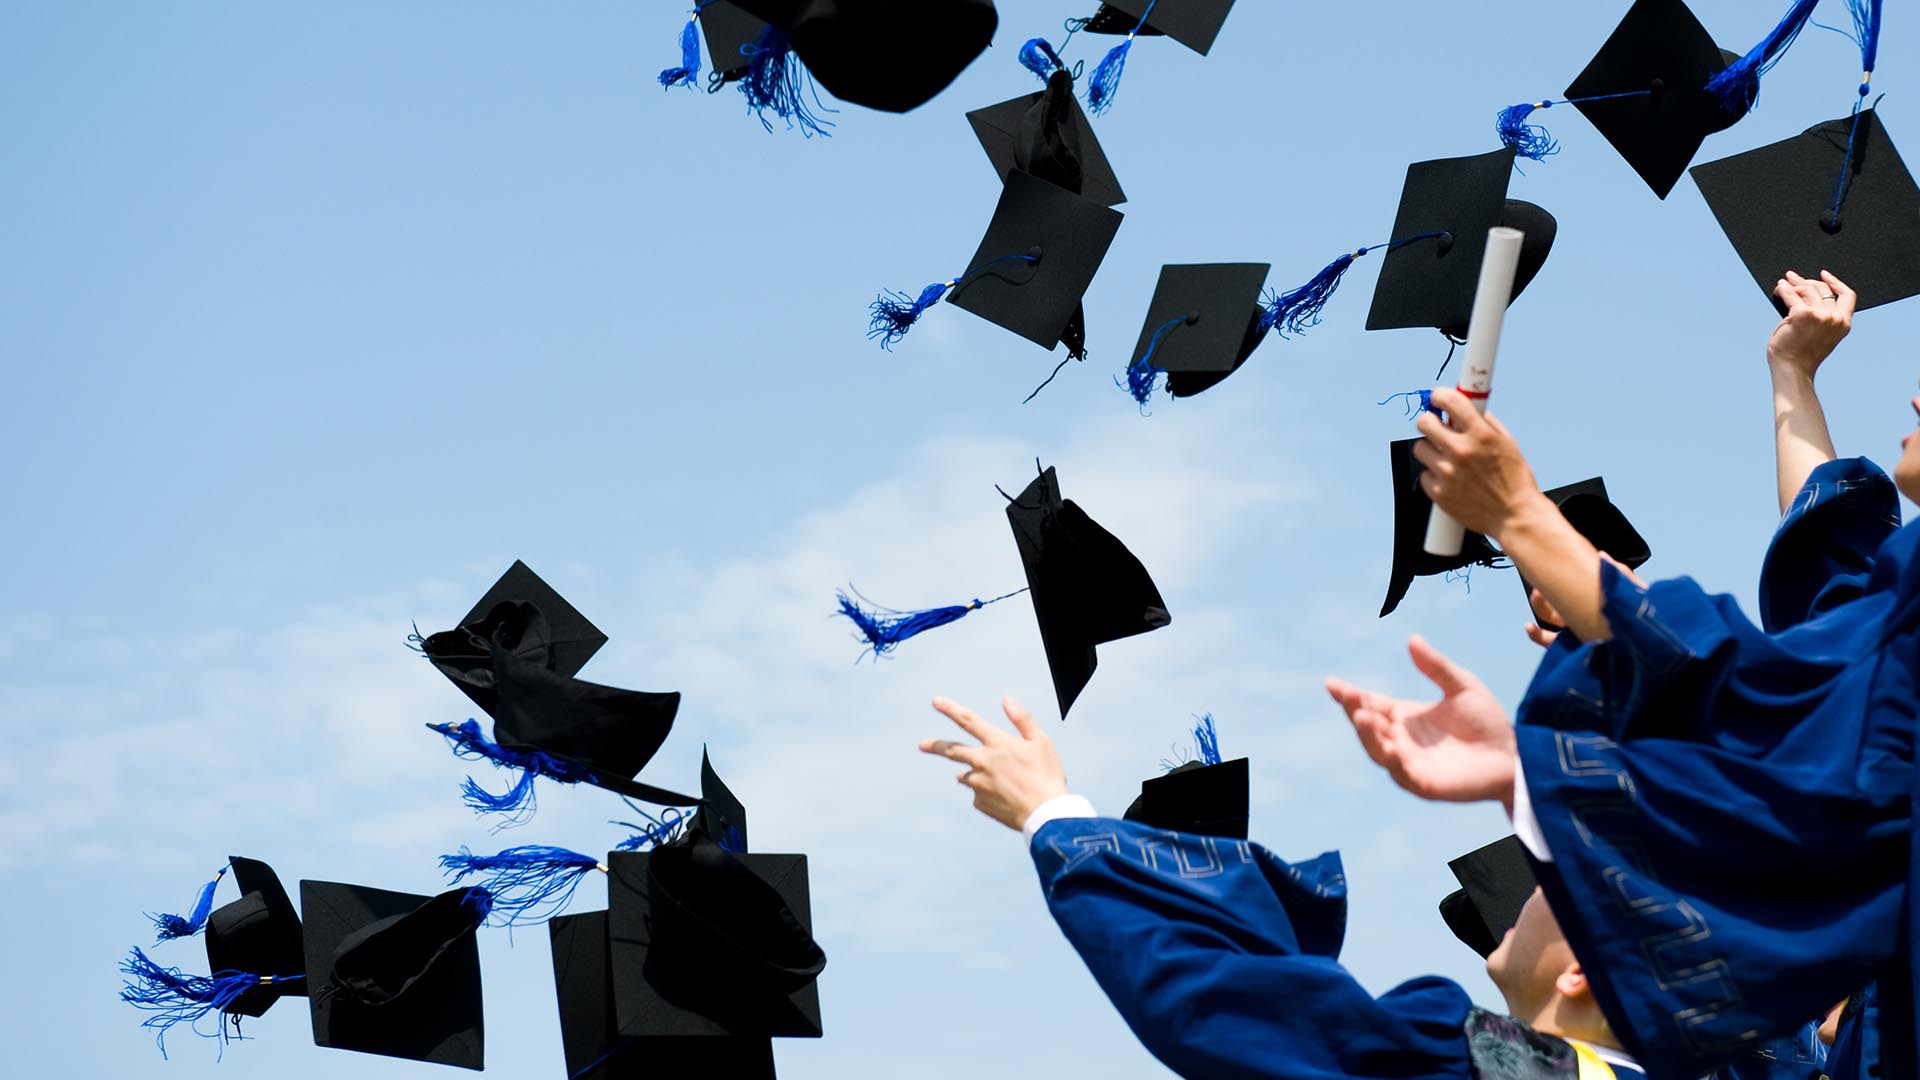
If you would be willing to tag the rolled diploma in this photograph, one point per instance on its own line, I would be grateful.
(1445, 535)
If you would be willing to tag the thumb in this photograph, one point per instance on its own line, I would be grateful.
(1450, 677)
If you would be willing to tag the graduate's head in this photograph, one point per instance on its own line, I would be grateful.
(1544, 985)
(1906, 475)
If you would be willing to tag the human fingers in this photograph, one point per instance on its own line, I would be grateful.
(1541, 637)
(969, 723)
(1847, 300)
(1784, 290)
(1023, 721)
(1450, 677)
(973, 756)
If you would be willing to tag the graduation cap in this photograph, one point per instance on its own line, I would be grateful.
(1193, 23)
(583, 983)
(1432, 267)
(707, 942)
(1645, 91)
(1088, 589)
(254, 955)
(1202, 324)
(396, 974)
(1586, 507)
(522, 614)
(1040, 253)
(883, 54)
(1411, 508)
(732, 37)
(516, 660)
(1495, 882)
(1205, 796)
(1047, 134)
(1836, 197)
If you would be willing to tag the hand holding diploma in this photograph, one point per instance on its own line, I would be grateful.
(1490, 299)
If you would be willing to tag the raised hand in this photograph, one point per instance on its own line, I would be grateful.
(1819, 315)
(1011, 772)
(1457, 749)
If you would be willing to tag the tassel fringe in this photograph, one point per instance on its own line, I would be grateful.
(174, 997)
(1530, 141)
(1738, 87)
(892, 314)
(173, 927)
(1206, 740)
(518, 801)
(776, 82)
(531, 883)
(689, 69)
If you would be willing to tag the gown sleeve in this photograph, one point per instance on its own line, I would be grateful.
(1822, 554)
(1223, 959)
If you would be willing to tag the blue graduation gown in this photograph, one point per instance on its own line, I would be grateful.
(1856, 1045)
(1728, 809)
(1799, 1056)
(1223, 960)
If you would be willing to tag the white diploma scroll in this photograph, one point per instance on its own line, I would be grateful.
(1445, 535)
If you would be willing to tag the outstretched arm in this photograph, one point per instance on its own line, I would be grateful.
(1819, 315)
(1458, 749)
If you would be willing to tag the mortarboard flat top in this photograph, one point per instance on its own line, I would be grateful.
(1775, 203)
(1086, 587)
(730, 33)
(259, 933)
(1411, 509)
(527, 617)
(1219, 305)
(1067, 234)
(1206, 800)
(438, 1017)
(883, 54)
(1498, 880)
(1430, 282)
(605, 729)
(589, 1023)
(706, 943)
(1659, 46)
(1193, 23)
(1007, 133)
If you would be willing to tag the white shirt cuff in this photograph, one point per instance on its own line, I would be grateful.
(1060, 806)
(1525, 825)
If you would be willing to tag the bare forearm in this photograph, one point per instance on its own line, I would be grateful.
(1801, 441)
(1552, 555)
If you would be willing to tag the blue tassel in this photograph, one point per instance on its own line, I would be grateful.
(1142, 374)
(777, 82)
(1530, 141)
(532, 883)
(1293, 311)
(517, 801)
(1738, 87)
(885, 628)
(171, 927)
(1207, 740)
(1866, 30)
(731, 840)
(1038, 57)
(893, 314)
(657, 832)
(689, 68)
(174, 997)
(1418, 401)
(1106, 78)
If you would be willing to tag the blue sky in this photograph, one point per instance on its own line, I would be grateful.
(316, 316)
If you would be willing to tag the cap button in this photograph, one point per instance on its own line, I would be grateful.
(1034, 253)
(1659, 86)
(1192, 317)
(1830, 223)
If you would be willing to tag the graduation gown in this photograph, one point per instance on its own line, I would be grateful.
(1223, 959)
(1727, 806)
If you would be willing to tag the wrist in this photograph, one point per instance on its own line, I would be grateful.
(1791, 372)
(1530, 514)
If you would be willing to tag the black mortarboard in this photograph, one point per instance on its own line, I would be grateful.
(1202, 324)
(1777, 204)
(1429, 275)
(395, 974)
(1496, 881)
(707, 942)
(1193, 23)
(527, 618)
(612, 733)
(1087, 588)
(258, 933)
(1586, 507)
(1411, 509)
(589, 1022)
(1207, 800)
(1039, 256)
(731, 34)
(1047, 134)
(1659, 48)
(721, 816)
(883, 54)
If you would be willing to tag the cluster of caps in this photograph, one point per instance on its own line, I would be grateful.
(705, 951)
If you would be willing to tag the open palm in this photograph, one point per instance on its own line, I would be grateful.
(1458, 749)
